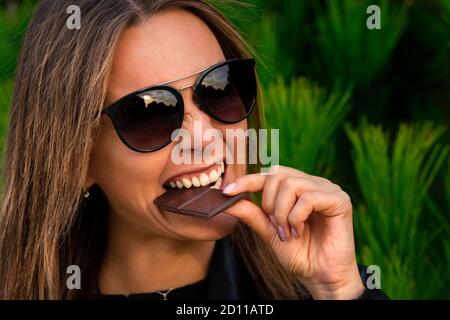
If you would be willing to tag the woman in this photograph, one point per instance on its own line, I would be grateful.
(88, 151)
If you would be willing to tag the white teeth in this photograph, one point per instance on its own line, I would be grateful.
(217, 184)
(195, 182)
(204, 179)
(213, 176)
(187, 183)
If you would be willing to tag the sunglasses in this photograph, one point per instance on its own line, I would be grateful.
(145, 119)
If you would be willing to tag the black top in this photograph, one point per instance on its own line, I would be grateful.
(228, 279)
(194, 291)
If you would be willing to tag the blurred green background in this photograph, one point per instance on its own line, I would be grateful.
(368, 109)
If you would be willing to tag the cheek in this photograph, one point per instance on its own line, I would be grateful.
(129, 179)
(238, 148)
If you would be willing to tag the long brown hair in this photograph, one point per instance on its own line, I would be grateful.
(60, 89)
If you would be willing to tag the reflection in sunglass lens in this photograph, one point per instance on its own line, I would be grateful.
(146, 121)
(229, 91)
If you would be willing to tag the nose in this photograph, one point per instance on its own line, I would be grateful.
(196, 121)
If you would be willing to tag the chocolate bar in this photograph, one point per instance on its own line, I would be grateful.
(203, 202)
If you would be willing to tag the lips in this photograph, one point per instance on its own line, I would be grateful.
(208, 176)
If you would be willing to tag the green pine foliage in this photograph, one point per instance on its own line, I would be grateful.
(348, 50)
(307, 118)
(14, 19)
(395, 174)
(6, 88)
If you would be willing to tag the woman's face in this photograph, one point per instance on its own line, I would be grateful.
(170, 45)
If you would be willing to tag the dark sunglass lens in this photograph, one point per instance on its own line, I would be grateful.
(229, 91)
(147, 120)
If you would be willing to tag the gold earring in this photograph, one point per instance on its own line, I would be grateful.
(86, 193)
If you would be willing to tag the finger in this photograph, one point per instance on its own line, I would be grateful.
(248, 183)
(283, 172)
(271, 186)
(321, 181)
(269, 193)
(325, 203)
(253, 216)
(267, 183)
(290, 189)
(256, 182)
(300, 228)
(284, 202)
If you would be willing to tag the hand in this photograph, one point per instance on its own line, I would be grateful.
(307, 221)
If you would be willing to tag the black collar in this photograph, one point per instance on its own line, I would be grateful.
(228, 277)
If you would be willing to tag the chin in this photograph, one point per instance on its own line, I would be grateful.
(194, 228)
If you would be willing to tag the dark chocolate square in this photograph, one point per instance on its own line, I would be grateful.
(203, 202)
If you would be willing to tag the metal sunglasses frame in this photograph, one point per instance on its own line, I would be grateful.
(111, 110)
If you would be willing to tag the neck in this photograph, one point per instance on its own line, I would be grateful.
(136, 262)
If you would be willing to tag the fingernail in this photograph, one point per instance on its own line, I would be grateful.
(272, 219)
(281, 234)
(229, 188)
(294, 232)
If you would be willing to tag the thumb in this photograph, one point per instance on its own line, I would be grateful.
(253, 216)
(249, 183)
